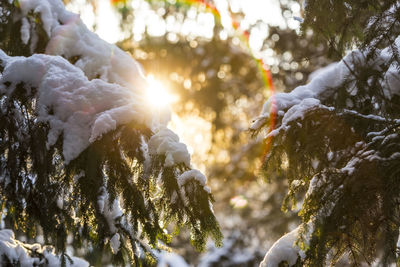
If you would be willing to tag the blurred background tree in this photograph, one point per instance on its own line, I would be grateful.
(338, 138)
(211, 58)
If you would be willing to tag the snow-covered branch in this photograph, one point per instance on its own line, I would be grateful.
(78, 134)
(17, 253)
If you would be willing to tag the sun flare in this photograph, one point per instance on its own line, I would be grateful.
(157, 94)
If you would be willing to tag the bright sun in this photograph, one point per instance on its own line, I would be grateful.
(157, 94)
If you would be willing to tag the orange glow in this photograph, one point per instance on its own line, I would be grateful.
(262, 66)
(157, 94)
(117, 2)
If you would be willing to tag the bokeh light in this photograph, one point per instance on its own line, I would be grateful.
(239, 201)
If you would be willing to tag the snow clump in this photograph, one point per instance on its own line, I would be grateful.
(14, 251)
(285, 249)
(98, 89)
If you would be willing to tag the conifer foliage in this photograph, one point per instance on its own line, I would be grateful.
(337, 141)
(81, 155)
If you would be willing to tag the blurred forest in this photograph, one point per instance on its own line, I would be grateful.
(211, 57)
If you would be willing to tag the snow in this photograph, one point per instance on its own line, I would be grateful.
(297, 111)
(316, 182)
(60, 202)
(386, 19)
(25, 31)
(296, 183)
(305, 95)
(83, 108)
(284, 249)
(323, 82)
(294, 105)
(44, 8)
(230, 254)
(195, 175)
(17, 252)
(398, 245)
(80, 109)
(166, 259)
(96, 58)
(100, 89)
(166, 142)
(115, 243)
(103, 89)
(70, 37)
(111, 211)
(318, 72)
(315, 163)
